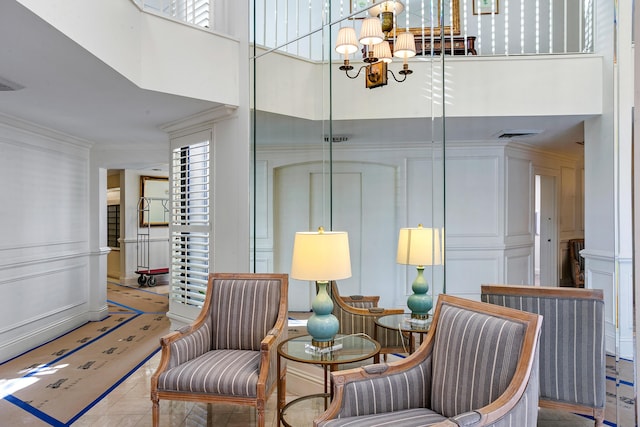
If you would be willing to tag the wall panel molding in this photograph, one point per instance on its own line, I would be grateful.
(46, 254)
(474, 199)
(518, 176)
(568, 197)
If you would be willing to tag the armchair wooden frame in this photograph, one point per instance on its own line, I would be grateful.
(357, 314)
(488, 414)
(267, 379)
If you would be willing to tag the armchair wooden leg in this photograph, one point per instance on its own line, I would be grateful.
(598, 415)
(155, 413)
(260, 411)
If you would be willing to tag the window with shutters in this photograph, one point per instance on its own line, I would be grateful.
(190, 223)
(196, 12)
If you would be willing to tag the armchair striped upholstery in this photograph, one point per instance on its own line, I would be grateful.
(357, 314)
(229, 353)
(361, 301)
(572, 357)
(476, 367)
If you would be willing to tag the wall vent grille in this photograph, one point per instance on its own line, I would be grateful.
(517, 133)
(337, 138)
(8, 85)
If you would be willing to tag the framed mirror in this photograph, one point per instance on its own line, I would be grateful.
(153, 207)
(421, 17)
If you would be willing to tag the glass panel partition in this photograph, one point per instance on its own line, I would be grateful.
(328, 151)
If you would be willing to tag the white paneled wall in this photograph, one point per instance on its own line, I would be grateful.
(489, 212)
(45, 251)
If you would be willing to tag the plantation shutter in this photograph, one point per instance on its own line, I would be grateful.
(190, 220)
(197, 12)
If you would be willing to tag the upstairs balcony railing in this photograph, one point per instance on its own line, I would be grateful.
(495, 27)
(492, 27)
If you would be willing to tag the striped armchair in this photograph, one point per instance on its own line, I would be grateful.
(476, 367)
(572, 357)
(229, 353)
(357, 314)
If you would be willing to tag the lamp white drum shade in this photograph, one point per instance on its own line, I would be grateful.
(419, 246)
(321, 256)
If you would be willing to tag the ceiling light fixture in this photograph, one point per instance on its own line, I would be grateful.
(374, 36)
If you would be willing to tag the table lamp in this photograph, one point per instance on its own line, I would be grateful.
(419, 246)
(321, 257)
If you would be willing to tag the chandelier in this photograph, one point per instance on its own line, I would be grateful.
(374, 36)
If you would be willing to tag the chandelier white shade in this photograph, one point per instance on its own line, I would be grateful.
(405, 46)
(382, 51)
(347, 43)
(371, 32)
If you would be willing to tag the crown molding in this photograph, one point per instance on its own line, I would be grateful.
(198, 120)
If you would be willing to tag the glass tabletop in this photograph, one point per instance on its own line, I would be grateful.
(404, 322)
(354, 348)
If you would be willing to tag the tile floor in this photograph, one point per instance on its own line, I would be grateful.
(129, 406)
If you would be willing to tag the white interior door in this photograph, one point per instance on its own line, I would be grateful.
(546, 251)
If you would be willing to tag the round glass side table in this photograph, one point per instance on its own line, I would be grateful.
(406, 325)
(354, 348)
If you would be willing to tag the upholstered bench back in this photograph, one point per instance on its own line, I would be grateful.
(572, 358)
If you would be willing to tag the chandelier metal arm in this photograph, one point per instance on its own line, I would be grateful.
(404, 76)
(346, 71)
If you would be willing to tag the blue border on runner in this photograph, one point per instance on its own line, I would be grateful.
(53, 421)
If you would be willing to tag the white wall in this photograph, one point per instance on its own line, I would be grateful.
(489, 212)
(47, 248)
(551, 84)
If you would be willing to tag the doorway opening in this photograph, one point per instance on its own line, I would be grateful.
(546, 232)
